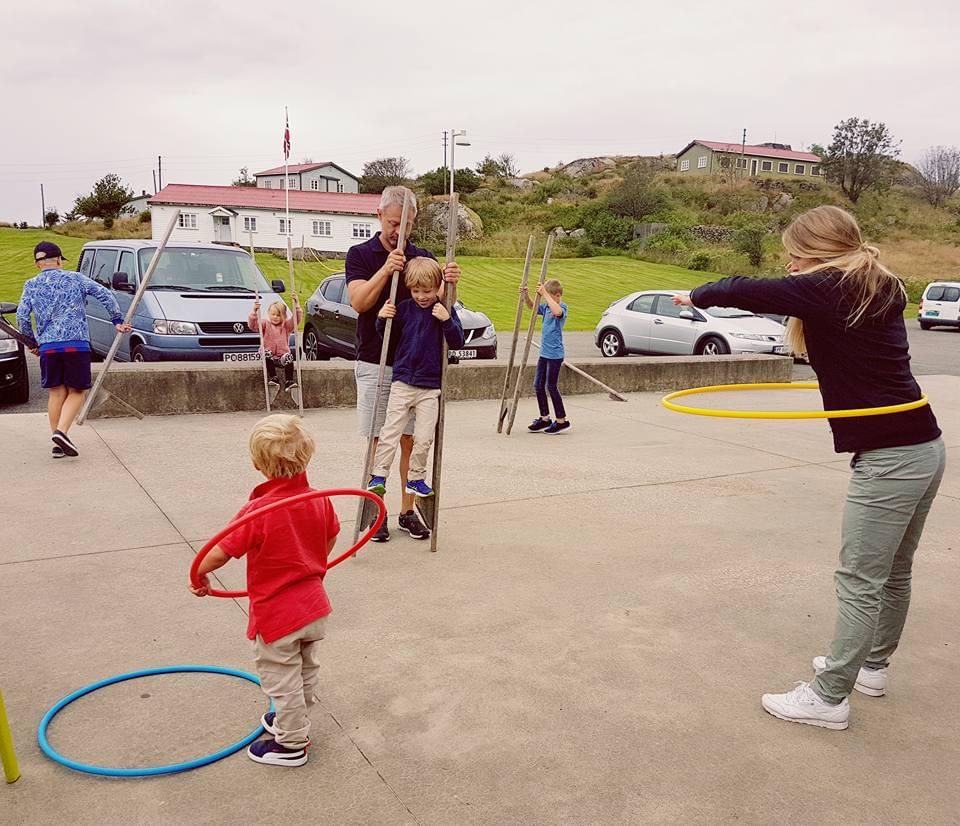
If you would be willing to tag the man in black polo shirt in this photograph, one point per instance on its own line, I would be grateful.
(370, 268)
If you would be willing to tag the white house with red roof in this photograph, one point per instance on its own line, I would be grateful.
(329, 222)
(313, 177)
(713, 157)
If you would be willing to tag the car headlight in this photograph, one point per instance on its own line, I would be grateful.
(749, 336)
(174, 328)
(8, 345)
(489, 332)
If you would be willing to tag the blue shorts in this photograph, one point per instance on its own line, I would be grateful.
(65, 370)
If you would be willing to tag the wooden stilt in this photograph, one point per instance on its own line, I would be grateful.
(263, 352)
(533, 323)
(504, 407)
(296, 337)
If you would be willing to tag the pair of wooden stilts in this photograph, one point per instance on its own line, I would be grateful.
(428, 506)
(508, 408)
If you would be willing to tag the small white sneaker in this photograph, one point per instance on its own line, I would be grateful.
(803, 705)
(871, 682)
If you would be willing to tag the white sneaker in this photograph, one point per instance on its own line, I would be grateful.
(803, 705)
(871, 682)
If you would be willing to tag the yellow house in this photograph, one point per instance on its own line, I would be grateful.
(712, 157)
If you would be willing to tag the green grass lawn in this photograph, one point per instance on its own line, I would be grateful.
(489, 284)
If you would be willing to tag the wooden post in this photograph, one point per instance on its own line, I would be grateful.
(613, 393)
(388, 328)
(92, 395)
(533, 323)
(449, 297)
(263, 351)
(516, 335)
(8, 756)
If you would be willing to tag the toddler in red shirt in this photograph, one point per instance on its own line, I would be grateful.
(286, 554)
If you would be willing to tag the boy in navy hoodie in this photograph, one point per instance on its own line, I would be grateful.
(421, 323)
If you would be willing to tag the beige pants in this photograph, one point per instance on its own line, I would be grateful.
(404, 399)
(288, 670)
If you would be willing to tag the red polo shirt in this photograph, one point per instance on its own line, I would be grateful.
(286, 554)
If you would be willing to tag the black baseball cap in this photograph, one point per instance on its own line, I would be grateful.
(46, 250)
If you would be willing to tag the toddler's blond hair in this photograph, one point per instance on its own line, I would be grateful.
(553, 286)
(422, 272)
(281, 446)
(283, 308)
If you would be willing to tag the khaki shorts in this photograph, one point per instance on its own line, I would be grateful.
(366, 375)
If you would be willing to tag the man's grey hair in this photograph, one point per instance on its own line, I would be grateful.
(394, 195)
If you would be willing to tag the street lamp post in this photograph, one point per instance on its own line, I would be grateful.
(455, 141)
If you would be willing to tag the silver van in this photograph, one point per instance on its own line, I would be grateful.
(195, 307)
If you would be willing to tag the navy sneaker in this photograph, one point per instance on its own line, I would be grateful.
(57, 452)
(411, 523)
(62, 441)
(267, 721)
(539, 424)
(557, 427)
(383, 532)
(273, 754)
(419, 487)
(377, 485)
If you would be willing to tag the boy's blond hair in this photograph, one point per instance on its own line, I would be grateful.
(422, 272)
(553, 286)
(281, 446)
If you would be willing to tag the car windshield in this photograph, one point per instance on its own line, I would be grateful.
(208, 270)
(727, 312)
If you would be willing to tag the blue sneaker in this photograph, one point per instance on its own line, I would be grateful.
(557, 427)
(419, 487)
(268, 721)
(273, 754)
(377, 485)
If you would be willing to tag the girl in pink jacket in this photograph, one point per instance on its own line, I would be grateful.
(276, 329)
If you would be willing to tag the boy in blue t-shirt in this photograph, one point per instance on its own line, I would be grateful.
(554, 313)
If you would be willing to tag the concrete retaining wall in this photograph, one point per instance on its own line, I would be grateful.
(185, 387)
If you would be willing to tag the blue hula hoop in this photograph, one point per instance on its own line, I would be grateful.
(146, 772)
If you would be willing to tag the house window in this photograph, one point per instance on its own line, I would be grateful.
(187, 220)
(286, 227)
(292, 182)
(702, 162)
(815, 169)
(766, 166)
(315, 184)
(684, 166)
(249, 224)
(268, 184)
(323, 228)
(362, 230)
(783, 167)
(800, 169)
(724, 162)
(741, 163)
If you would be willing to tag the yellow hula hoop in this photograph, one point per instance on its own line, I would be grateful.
(668, 403)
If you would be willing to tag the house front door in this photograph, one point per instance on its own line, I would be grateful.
(753, 166)
(223, 227)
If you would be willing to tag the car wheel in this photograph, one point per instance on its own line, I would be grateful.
(925, 325)
(611, 344)
(20, 392)
(713, 346)
(137, 355)
(311, 345)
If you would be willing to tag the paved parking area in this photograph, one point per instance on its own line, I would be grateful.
(589, 644)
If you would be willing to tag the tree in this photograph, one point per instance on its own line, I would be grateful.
(860, 156)
(70, 216)
(939, 171)
(749, 240)
(244, 178)
(383, 172)
(635, 197)
(107, 200)
(51, 218)
(508, 165)
(437, 182)
(488, 167)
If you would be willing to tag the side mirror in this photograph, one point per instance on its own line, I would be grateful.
(689, 316)
(278, 286)
(7, 307)
(121, 282)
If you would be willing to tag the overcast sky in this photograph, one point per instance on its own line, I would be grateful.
(103, 86)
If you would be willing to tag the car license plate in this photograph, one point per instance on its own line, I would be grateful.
(464, 354)
(241, 357)
(779, 349)
(932, 313)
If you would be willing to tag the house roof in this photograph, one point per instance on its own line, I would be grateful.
(761, 151)
(302, 167)
(251, 197)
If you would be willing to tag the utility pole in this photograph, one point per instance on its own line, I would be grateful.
(154, 181)
(160, 169)
(743, 153)
(444, 160)
(43, 209)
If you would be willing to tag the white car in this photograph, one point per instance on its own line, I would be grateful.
(649, 322)
(940, 305)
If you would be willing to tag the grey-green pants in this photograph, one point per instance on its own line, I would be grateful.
(890, 494)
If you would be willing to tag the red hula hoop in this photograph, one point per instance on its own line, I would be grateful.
(286, 503)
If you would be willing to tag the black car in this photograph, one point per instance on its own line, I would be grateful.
(14, 380)
(330, 328)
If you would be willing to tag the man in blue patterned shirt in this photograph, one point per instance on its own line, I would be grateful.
(57, 299)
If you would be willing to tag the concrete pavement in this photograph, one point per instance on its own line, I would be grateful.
(588, 646)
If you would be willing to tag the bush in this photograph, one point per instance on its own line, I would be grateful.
(585, 249)
(749, 240)
(700, 261)
(635, 197)
(108, 223)
(665, 242)
(145, 217)
(606, 229)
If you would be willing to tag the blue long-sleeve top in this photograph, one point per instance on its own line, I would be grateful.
(419, 335)
(57, 299)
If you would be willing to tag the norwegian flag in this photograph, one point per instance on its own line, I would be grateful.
(286, 138)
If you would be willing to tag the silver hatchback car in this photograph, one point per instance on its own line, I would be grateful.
(649, 322)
